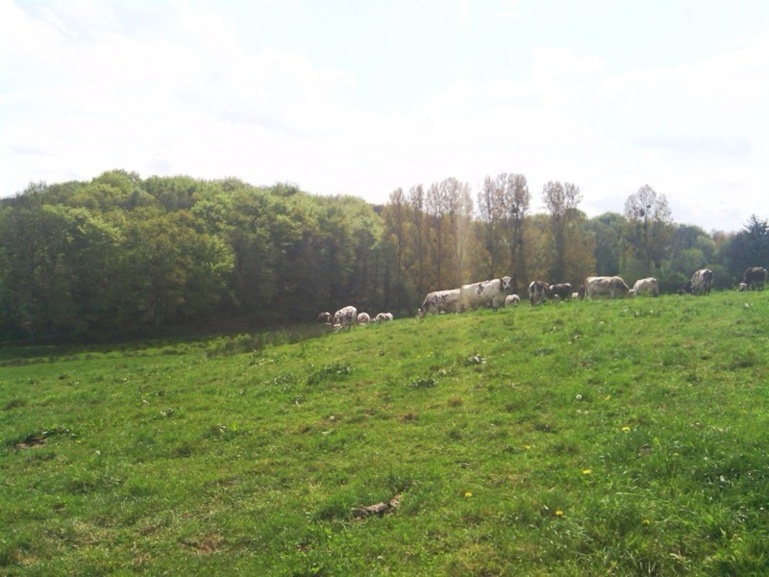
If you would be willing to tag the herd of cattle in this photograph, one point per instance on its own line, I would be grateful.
(497, 292)
(349, 316)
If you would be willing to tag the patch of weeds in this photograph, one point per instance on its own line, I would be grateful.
(329, 372)
(544, 428)
(566, 448)
(575, 336)
(473, 360)
(15, 404)
(544, 351)
(223, 432)
(335, 507)
(183, 451)
(284, 380)
(39, 438)
(410, 417)
(423, 383)
(745, 359)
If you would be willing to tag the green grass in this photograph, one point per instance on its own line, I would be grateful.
(586, 438)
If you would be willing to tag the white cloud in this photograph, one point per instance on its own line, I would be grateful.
(508, 8)
(87, 87)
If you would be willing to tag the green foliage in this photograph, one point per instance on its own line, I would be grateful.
(120, 255)
(555, 440)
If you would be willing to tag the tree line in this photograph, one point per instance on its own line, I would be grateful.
(120, 254)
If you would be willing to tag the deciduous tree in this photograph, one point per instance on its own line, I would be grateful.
(650, 226)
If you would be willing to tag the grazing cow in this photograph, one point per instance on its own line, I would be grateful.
(700, 283)
(539, 290)
(381, 317)
(611, 286)
(445, 301)
(742, 287)
(646, 285)
(325, 318)
(512, 300)
(346, 317)
(363, 318)
(755, 278)
(487, 293)
(561, 290)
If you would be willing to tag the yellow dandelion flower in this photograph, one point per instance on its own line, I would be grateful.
(468, 494)
(625, 429)
(646, 522)
(527, 447)
(558, 513)
(587, 471)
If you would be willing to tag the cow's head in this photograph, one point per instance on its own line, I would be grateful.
(506, 283)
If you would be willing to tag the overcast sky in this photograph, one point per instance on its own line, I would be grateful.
(361, 97)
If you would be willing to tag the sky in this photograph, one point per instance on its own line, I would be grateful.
(361, 97)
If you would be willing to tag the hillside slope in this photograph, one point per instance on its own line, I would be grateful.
(622, 437)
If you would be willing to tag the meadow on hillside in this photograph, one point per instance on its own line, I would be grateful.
(623, 437)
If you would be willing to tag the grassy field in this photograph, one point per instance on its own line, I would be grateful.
(585, 438)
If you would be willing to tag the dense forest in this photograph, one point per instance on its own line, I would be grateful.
(124, 255)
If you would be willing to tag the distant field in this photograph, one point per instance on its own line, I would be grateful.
(587, 438)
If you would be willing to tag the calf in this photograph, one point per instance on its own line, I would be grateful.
(325, 318)
(381, 317)
(512, 300)
(363, 318)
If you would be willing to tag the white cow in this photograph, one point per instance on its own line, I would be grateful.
(611, 286)
(346, 317)
(512, 300)
(363, 318)
(487, 293)
(381, 317)
(445, 301)
(646, 285)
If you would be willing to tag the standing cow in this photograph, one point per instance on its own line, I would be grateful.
(445, 301)
(700, 283)
(561, 290)
(539, 290)
(646, 285)
(611, 286)
(487, 293)
(346, 317)
(755, 278)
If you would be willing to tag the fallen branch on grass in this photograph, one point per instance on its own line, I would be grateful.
(378, 508)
